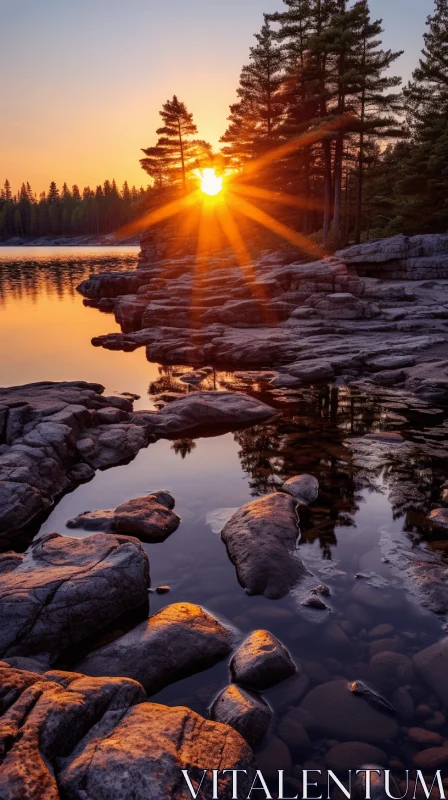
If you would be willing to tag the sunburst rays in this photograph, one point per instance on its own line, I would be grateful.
(211, 218)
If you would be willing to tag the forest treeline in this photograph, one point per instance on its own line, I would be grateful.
(320, 117)
(69, 212)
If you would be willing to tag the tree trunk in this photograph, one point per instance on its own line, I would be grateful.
(358, 221)
(338, 159)
(184, 179)
(327, 191)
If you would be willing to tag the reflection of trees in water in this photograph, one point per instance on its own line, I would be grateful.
(309, 437)
(183, 447)
(59, 274)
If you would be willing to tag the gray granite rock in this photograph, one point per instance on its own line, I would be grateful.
(261, 661)
(303, 488)
(62, 590)
(179, 640)
(149, 518)
(261, 541)
(243, 710)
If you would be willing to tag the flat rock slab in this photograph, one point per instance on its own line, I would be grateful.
(337, 713)
(261, 541)
(245, 711)
(261, 662)
(64, 589)
(201, 409)
(65, 735)
(149, 518)
(178, 641)
(303, 488)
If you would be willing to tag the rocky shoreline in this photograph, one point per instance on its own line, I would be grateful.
(76, 715)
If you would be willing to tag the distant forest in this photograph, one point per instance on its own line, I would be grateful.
(320, 117)
(69, 212)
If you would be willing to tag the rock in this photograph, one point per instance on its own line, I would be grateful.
(311, 371)
(354, 755)
(261, 540)
(390, 670)
(432, 666)
(65, 589)
(65, 735)
(180, 639)
(376, 701)
(380, 631)
(289, 692)
(200, 409)
(341, 305)
(386, 363)
(149, 518)
(403, 704)
(424, 737)
(375, 597)
(385, 436)
(439, 517)
(261, 661)
(432, 758)
(52, 438)
(293, 733)
(337, 713)
(303, 488)
(245, 711)
(274, 756)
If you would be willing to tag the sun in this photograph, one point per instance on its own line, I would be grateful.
(211, 183)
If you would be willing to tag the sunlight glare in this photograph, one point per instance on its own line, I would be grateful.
(211, 183)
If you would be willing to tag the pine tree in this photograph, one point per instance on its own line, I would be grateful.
(53, 193)
(172, 158)
(377, 105)
(427, 93)
(254, 119)
(7, 188)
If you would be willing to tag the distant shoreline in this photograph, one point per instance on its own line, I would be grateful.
(107, 240)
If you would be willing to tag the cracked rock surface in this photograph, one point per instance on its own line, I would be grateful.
(62, 590)
(64, 735)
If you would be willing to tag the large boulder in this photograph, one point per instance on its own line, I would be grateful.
(65, 735)
(202, 409)
(261, 662)
(303, 488)
(179, 640)
(62, 590)
(149, 518)
(261, 541)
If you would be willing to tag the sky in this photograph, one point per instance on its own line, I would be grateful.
(85, 79)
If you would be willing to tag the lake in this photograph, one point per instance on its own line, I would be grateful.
(46, 332)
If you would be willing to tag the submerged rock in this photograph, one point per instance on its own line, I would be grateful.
(149, 518)
(65, 735)
(178, 641)
(261, 541)
(303, 488)
(245, 711)
(439, 517)
(63, 590)
(337, 713)
(432, 666)
(261, 661)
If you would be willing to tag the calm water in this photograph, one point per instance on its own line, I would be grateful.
(49, 331)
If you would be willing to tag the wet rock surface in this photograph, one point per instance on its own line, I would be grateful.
(179, 640)
(313, 321)
(261, 540)
(303, 488)
(149, 518)
(62, 590)
(261, 661)
(65, 735)
(243, 710)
